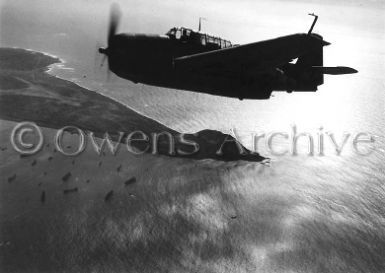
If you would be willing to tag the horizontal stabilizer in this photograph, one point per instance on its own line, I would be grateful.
(336, 70)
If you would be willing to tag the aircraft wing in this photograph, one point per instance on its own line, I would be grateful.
(259, 57)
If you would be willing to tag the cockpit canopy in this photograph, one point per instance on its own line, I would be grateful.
(189, 36)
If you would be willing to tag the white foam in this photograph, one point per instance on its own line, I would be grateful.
(42, 52)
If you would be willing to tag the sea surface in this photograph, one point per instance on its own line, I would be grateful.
(330, 205)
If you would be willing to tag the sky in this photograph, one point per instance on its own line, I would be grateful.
(242, 21)
(239, 21)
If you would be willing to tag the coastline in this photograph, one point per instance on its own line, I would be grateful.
(90, 110)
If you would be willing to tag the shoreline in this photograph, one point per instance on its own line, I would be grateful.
(90, 110)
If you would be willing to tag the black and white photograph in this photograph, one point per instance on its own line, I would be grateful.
(151, 136)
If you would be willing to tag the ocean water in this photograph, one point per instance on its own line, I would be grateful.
(300, 214)
(321, 204)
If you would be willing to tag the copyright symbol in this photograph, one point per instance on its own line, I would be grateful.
(18, 142)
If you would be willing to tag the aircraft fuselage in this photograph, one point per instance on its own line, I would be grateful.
(149, 59)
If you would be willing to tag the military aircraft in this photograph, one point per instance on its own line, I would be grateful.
(191, 60)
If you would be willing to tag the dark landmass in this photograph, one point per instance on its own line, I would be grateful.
(28, 93)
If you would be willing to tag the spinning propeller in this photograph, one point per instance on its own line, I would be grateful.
(115, 15)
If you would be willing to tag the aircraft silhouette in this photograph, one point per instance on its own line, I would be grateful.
(194, 61)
